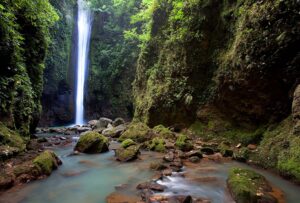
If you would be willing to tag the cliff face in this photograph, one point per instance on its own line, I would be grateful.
(58, 91)
(24, 39)
(242, 57)
(112, 63)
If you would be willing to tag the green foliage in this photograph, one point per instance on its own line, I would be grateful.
(24, 40)
(183, 143)
(157, 144)
(11, 138)
(163, 132)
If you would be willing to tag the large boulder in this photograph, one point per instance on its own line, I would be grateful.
(46, 162)
(296, 110)
(248, 186)
(137, 131)
(114, 132)
(92, 142)
(103, 122)
(127, 154)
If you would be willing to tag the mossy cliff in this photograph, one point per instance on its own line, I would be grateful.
(112, 61)
(24, 37)
(239, 56)
(57, 98)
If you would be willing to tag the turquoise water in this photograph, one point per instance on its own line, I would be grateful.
(91, 178)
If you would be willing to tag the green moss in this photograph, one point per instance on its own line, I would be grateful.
(225, 149)
(46, 162)
(128, 154)
(128, 142)
(242, 154)
(163, 132)
(92, 142)
(246, 185)
(157, 144)
(183, 143)
(136, 131)
(11, 138)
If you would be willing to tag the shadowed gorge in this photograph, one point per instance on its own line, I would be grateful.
(151, 101)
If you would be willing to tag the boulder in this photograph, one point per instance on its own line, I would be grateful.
(92, 123)
(103, 122)
(169, 157)
(114, 132)
(137, 131)
(127, 143)
(127, 154)
(46, 162)
(248, 186)
(92, 142)
(118, 121)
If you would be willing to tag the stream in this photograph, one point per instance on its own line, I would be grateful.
(91, 178)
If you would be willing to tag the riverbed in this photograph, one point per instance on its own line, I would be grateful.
(91, 178)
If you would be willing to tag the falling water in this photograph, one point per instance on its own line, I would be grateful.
(84, 33)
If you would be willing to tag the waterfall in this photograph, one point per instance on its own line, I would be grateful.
(84, 22)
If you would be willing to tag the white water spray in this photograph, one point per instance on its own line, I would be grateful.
(84, 22)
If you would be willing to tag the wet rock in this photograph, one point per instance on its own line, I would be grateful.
(194, 159)
(42, 139)
(167, 172)
(7, 152)
(92, 142)
(92, 123)
(169, 157)
(83, 129)
(251, 146)
(193, 153)
(158, 166)
(207, 150)
(103, 122)
(152, 186)
(129, 154)
(118, 121)
(249, 186)
(57, 130)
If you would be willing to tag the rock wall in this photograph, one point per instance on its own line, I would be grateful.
(242, 57)
(58, 91)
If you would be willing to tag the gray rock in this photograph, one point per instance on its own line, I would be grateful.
(118, 121)
(103, 122)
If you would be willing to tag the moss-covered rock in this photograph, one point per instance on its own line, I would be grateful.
(92, 142)
(242, 154)
(249, 186)
(127, 143)
(129, 154)
(46, 162)
(225, 149)
(137, 131)
(157, 144)
(184, 143)
(163, 132)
